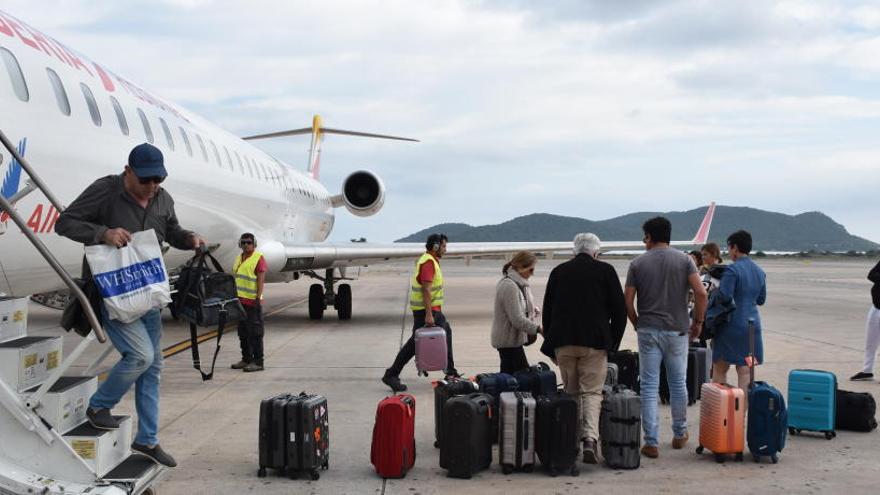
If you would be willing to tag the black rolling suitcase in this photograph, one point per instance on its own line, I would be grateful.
(855, 411)
(627, 368)
(443, 390)
(466, 445)
(556, 433)
(294, 434)
(695, 376)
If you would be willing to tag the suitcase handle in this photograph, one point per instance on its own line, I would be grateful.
(750, 359)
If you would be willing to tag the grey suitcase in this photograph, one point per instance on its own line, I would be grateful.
(620, 427)
(516, 442)
(611, 375)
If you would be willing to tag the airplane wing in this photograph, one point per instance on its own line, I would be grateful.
(328, 255)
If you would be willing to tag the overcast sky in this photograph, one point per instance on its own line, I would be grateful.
(583, 108)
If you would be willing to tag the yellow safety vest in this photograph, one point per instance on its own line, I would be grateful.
(246, 275)
(416, 301)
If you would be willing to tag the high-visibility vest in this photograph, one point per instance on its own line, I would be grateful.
(416, 301)
(246, 275)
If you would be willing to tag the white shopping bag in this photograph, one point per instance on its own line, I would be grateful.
(132, 279)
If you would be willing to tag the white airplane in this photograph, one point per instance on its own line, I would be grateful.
(75, 120)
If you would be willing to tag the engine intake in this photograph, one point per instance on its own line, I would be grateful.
(363, 193)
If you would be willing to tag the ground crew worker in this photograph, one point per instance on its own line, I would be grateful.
(108, 212)
(426, 291)
(250, 275)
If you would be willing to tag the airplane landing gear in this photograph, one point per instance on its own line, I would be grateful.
(322, 296)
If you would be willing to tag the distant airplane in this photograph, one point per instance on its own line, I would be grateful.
(75, 120)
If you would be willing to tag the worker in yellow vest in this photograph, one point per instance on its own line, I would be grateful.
(250, 274)
(426, 292)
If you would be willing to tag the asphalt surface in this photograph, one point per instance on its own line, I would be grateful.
(814, 318)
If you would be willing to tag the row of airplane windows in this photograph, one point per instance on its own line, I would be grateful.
(254, 168)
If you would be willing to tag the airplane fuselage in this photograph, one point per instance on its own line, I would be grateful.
(222, 186)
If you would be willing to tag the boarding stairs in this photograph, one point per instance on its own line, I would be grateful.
(47, 445)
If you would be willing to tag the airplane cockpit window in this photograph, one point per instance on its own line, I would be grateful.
(148, 132)
(216, 153)
(15, 75)
(60, 94)
(92, 104)
(202, 146)
(167, 132)
(189, 148)
(120, 115)
(238, 159)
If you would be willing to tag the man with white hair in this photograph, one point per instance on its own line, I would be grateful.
(584, 318)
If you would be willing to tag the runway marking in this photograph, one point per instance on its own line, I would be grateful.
(183, 345)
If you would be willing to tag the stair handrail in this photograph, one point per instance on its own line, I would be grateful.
(43, 250)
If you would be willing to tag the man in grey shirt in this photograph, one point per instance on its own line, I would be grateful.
(661, 278)
(108, 212)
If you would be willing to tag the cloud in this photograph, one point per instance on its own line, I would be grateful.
(583, 108)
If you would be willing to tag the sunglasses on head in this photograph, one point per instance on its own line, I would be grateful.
(147, 180)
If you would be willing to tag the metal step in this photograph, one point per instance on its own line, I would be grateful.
(136, 473)
(64, 406)
(13, 318)
(101, 450)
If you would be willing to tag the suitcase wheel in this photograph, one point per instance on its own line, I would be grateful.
(315, 475)
(793, 431)
(529, 468)
(829, 435)
(774, 459)
(326, 466)
(506, 469)
(700, 449)
(423, 373)
(436, 444)
(719, 458)
(739, 457)
(575, 472)
(292, 474)
(553, 473)
(756, 458)
(261, 472)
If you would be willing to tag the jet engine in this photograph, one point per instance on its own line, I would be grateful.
(363, 194)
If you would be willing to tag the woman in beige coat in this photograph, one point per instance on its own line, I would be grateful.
(514, 323)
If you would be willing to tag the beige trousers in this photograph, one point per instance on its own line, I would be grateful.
(583, 374)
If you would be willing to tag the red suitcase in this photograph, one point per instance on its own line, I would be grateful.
(394, 446)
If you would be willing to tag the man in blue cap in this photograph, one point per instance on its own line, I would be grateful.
(108, 212)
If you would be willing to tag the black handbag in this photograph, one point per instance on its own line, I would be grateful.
(74, 317)
(206, 298)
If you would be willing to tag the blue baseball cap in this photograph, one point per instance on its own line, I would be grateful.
(146, 160)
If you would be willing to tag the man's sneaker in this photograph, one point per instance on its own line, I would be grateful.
(155, 453)
(591, 452)
(251, 367)
(240, 365)
(102, 419)
(680, 442)
(861, 375)
(651, 451)
(393, 382)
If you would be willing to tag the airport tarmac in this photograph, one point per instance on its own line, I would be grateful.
(814, 318)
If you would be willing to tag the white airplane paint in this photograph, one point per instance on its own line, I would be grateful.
(75, 121)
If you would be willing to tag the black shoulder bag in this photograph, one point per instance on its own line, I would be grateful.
(206, 298)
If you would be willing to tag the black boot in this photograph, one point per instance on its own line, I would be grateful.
(393, 381)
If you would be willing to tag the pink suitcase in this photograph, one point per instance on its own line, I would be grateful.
(431, 352)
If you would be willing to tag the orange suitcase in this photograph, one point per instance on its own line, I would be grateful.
(722, 421)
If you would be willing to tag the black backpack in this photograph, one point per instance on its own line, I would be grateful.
(855, 411)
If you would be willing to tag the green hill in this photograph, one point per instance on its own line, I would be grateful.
(771, 231)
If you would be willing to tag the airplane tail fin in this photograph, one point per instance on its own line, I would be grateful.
(317, 130)
(703, 232)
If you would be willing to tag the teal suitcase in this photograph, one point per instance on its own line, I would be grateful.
(812, 402)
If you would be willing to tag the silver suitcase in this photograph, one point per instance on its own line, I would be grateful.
(516, 432)
(620, 427)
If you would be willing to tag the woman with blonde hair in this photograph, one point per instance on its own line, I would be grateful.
(514, 323)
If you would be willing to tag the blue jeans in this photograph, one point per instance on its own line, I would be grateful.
(141, 365)
(671, 348)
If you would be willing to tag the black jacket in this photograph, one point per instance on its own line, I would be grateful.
(583, 305)
(874, 276)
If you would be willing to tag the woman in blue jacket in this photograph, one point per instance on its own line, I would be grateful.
(746, 283)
